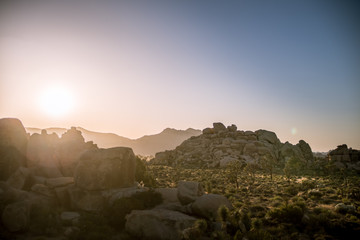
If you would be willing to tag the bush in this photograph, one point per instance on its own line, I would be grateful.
(286, 214)
(142, 175)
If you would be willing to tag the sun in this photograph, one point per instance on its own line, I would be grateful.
(56, 101)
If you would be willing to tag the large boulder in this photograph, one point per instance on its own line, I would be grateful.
(169, 195)
(288, 151)
(188, 191)
(41, 154)
(90, 201)
(207, 205)
(12, 133)
(267, 136)
(102, 169)
(15, 216)
(69, 149)
(20, 179)
(158, 224)
(218, 127)
(306, 150)
(13, 141)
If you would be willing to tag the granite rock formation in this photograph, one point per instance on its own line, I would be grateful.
(219, 145)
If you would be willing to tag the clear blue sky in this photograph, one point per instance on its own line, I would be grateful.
(137, 67)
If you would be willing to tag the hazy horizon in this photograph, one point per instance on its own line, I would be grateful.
(135, 68)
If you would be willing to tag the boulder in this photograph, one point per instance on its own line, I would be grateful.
(20, 178)
(306, 150)
(208, 131)
(62, 196)
(267, 136)
(102, 169)
(42, 190)
(13, 134)
(226, 160)
(10, 160)
(169, 195)
(13, 141)
(158, 224)
(116, 194)
(342, 208)
(218, 127)
(69, 216)
(207, 205)
(288, 151)
(90, 201)
(189, 191)
(69, 149)
(232, 128)
(15, 216)
(59, 182)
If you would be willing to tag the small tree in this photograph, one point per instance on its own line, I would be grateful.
(267, 164)
(235, 168)
(250, 170)
(293, 166)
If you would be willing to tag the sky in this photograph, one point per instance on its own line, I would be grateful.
(135, 67)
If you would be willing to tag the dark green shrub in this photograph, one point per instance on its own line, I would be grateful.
(286, 214)
(142, 175)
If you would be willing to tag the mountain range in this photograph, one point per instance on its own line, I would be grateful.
(147, 145)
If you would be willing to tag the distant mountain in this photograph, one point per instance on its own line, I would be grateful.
(168, 139)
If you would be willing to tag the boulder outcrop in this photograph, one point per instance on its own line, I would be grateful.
(219, 146)
(345, 158)
(102, 169)
(13, 142)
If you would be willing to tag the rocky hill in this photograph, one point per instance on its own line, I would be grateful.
(50, 186)
(220, 145)
(168, 139)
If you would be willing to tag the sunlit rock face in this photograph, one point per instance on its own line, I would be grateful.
(102, 169)
(219, 146)
(13, 141)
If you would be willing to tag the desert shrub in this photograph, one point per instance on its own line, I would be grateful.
(258, 234)
(123, 206)
(245, 219)
(142, 175)
(292, 190)
(307, 184)
(287, 214)
(201, 225)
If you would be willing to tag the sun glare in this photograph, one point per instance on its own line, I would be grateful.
(56, 101)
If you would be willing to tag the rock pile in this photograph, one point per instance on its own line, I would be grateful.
(345, 158)
(220, 145)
